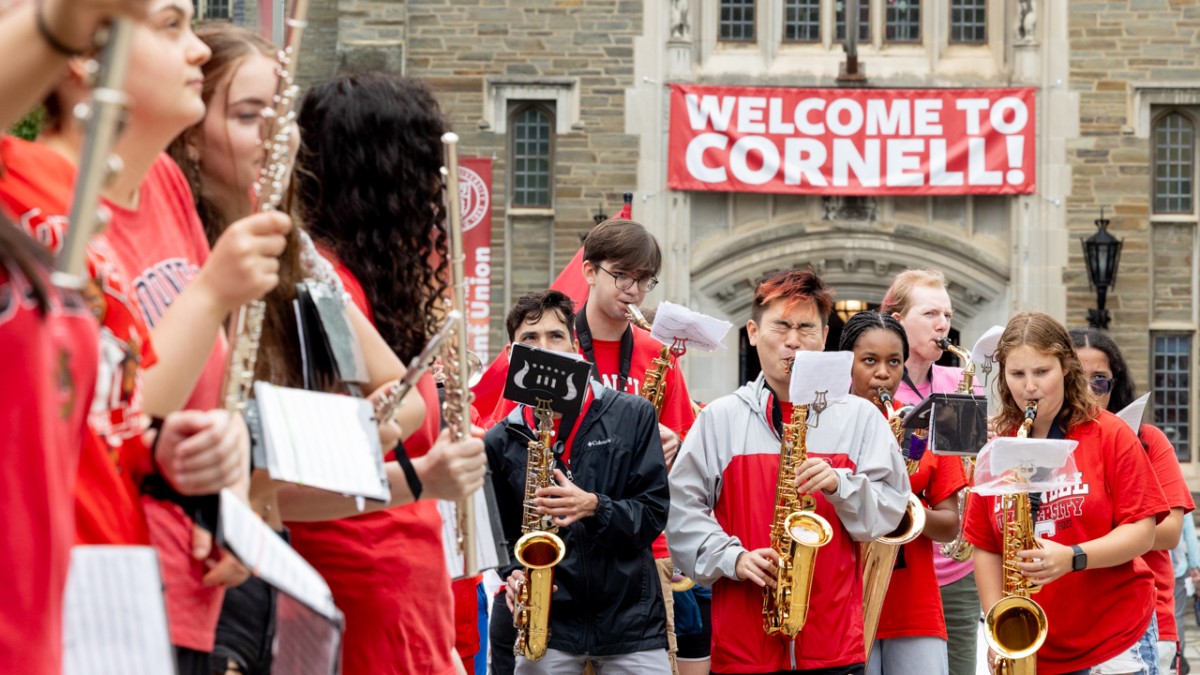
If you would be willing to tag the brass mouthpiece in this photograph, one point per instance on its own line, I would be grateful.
(788, 364)
(1031, 410)
(636, 317)
(884, 396)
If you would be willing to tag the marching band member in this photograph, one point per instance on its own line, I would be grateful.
(911, 637)
(1097, 593)
(222, 158)
(368, 187)
(609, 503)
(721, 487)
(153, 222)
(1106, 372)
(918, 299)
(620, 261)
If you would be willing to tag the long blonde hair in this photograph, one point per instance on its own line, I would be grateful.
(1041, 332)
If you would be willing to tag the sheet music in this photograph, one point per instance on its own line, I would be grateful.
(701, 331)
(269, 557)
(1010, 465)
(985, 347)
(306, 643)
(1133, 413)
(114, 617)
(814, 372)
(486, 543)
(321, 440)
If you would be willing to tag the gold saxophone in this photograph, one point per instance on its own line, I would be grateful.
(796, 534)
(879, 556)
(539, 549)
(654, 389)
(958, 549)
(1015, 627)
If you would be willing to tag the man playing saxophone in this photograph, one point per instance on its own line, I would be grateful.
(728, 469)
(608, 500)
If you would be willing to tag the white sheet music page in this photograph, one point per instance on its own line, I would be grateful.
(827, 373)
(485, 541)
(114, 617)
(701, 331)
(1133, 413)
(267, 556)
(321, 440)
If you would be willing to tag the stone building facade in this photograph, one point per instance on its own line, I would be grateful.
(1107, 74)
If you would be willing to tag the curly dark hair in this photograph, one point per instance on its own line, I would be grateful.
(1122, 389)
(369, 188)
(19, 253)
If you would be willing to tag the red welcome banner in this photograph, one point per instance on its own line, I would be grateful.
(475, 194)
(852, 141)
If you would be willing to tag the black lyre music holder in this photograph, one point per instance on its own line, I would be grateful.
(535, 374)
(957, 423)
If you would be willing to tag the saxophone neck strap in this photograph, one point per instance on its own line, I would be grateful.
(1058, 431)
(908, 381)
(584, 334)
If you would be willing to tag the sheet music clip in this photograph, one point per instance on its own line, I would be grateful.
(957, 423)
(1014, 465)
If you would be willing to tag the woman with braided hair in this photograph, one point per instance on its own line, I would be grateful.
(911, 637)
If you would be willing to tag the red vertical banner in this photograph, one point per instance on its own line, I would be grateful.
(475, 195)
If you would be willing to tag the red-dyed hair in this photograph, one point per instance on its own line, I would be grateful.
(793, 286)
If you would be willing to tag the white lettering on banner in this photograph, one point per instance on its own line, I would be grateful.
(969, 141)
(478, 303)
(695, 157)
(706, 109)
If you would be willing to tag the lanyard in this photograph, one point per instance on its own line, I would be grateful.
(909, 382)
(584, 335)
(562, 448)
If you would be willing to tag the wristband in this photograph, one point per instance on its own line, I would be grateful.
(51, 41)
(410, 472)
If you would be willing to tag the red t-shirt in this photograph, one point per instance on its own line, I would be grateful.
(913, 604)
(387, 569)
(1095, 614)
(36, 189)
(147, 255)
(677, 414)
(1170, 478)
(49, 363)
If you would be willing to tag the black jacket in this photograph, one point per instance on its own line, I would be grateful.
(609, 600)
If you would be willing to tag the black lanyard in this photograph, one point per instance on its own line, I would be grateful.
(1058, 431)
(584, 335)
(909, 382)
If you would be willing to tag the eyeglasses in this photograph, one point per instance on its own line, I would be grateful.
(1101, 385)
(626, 282)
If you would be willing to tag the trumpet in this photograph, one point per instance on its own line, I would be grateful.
(1015, 627)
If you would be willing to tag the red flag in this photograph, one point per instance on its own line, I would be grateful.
(489, 390)
(627, 209)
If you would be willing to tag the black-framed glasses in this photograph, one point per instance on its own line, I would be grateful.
(626, 282)
(1101, 385)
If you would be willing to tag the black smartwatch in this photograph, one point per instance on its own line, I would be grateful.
(1079, 562)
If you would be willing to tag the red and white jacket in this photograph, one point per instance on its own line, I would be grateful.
(722, 502)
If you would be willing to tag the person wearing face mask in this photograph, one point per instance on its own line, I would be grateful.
(725, 478)
(609, 503)
(918, 299)
(1097, 592)
(1106, 372)
(911, 637)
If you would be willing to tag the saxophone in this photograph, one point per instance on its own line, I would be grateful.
(958, 549)
(654, 389)
(1015, 627)
(539, 549)
(879, 556)
(456, 410)
(796, 534)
